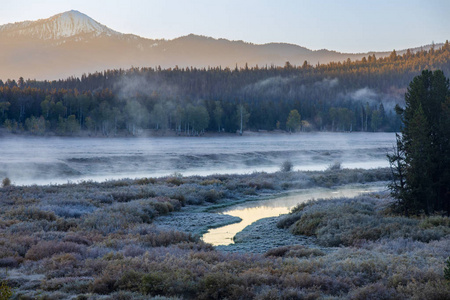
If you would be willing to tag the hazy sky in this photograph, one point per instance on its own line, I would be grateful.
(345, 25)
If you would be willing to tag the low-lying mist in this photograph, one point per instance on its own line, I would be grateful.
(59, 160)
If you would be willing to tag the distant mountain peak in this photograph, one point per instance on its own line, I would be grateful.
(63, 25)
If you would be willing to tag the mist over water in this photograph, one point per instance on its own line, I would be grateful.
(28, 160)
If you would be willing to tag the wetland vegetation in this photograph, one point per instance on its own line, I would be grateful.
(103, 241)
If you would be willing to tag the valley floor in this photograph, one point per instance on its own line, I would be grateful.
(135, 239)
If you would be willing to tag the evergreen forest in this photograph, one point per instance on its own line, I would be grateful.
(339, 96)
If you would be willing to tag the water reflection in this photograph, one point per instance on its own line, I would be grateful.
(253, 211)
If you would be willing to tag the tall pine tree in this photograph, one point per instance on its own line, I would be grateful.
(421, 163)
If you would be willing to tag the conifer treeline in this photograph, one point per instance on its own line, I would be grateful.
(339, 96)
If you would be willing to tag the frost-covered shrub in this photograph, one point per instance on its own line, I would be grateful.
(31, 213)
(108, 222)
(30, 227)
(146, 181)
(286, 221)
(261, 185)
(286, 166)
(435, 221)
(213, 196)
(49, 248)
(71, 210)
(430, 290)
(175, 180)
(334, 166)
(308, 223)
(130, 281)
(334, 176)
(133, 251)
(158, 238)
(104, 285)
(294, 251)
(217, 285)
(61, 265)
(376, 291)
(77, 239)
(349, 221)
(9, 262)
(211, 181)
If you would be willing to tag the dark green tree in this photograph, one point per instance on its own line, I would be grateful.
(421, 163)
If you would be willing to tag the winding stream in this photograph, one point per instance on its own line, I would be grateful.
(253, 211)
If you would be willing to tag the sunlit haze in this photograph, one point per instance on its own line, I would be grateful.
(345, 26)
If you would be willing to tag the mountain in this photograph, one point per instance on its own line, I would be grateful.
(60, 26)
(71, 43)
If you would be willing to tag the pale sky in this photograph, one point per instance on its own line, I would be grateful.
(345, 25)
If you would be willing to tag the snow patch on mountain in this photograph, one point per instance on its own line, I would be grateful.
(67, 24)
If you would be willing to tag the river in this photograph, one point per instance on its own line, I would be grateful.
(34, 160)
(250, 212)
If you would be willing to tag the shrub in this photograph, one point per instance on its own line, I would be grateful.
(5, 291)
(447, 269)
(77, 239)
(287, 220)
(180, 197)
(286, 166)
(125, 196)
(104, 285)
(32, 213)
(49, 248)
(158, 238)
(261, 185)
(296, 213)
(334, 166)
(133, 251)
(374, 292)
(146, 181)
(429, 290)
(175, 179)
(434, 221)
(154, 283)
(130, 280)
(9, 262)
(213, 196)
(217, 285)
(6, 182)
(212, 181)
(108, 222)
(294, 251)
(308, 224)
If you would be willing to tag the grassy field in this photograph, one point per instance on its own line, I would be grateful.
(99, 241)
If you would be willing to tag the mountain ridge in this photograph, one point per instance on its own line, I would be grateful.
(71, 43)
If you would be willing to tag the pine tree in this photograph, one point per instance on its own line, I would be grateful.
(422, 159)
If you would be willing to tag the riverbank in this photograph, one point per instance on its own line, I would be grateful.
(146, 133)
(155, 133)
(109, 240)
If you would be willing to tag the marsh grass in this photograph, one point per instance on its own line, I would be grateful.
(99, 241)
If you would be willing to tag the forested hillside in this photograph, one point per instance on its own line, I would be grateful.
(339, 96)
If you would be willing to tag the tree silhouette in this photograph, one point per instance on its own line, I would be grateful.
(421, 162)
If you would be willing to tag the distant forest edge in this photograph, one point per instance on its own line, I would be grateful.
(339, 96)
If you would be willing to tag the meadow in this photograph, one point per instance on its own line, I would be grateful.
(91, 240)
